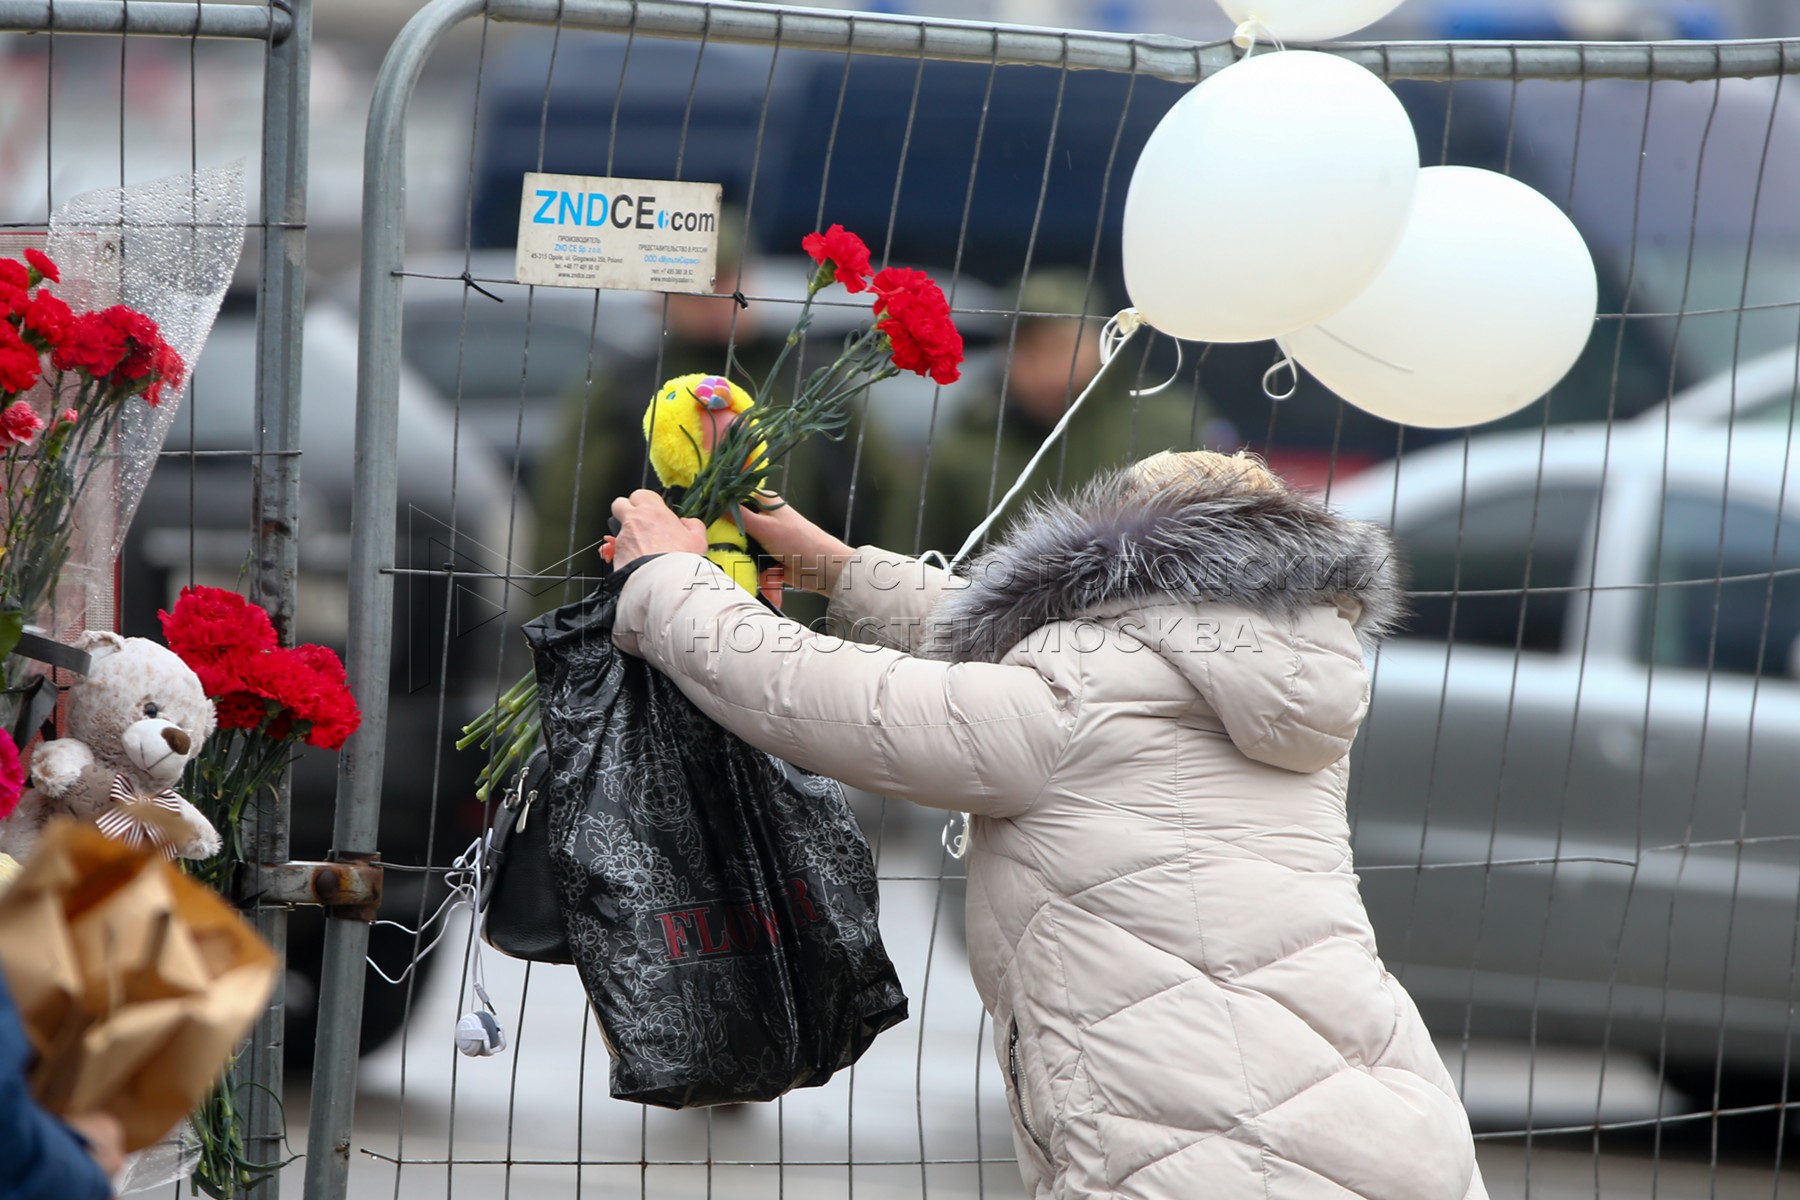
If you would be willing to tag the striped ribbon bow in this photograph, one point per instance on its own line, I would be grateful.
(139, 820)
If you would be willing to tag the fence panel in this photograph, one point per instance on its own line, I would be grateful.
(153, 89)
(1566, 803)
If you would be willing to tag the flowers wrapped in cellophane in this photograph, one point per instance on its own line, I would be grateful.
(66, 382)
(97, 332)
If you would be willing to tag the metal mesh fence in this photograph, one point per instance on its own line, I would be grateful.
(99, 95)
(1572, 802)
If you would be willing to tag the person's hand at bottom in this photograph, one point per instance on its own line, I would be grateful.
(105, 1139)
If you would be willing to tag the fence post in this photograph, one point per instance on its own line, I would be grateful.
(280, 317)
(372, 539)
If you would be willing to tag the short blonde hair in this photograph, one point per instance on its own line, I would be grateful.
(1237, 472)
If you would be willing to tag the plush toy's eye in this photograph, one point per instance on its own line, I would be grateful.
(150, 709)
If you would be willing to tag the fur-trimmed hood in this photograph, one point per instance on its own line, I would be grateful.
(1191, 536)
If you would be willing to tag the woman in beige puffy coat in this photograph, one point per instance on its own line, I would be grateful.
(1145, 697)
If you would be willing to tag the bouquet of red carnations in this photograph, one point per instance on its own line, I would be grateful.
(270, 702)
(66, 380)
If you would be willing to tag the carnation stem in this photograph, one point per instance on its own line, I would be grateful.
(514, 722)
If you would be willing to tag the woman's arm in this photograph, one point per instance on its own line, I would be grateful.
(971, 736)
(886, 598)
(876, 595)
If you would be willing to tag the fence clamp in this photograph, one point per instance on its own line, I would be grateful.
(348, 887)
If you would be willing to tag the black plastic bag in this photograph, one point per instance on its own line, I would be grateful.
(720, 904)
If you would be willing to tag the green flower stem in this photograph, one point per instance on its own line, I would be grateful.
(821, 279)
(232, 770)
(44, 485)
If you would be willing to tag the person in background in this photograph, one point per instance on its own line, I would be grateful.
(41, 1157)
(605, 453)
(1055, 354)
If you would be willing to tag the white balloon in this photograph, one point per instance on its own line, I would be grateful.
(1268, 198)
(1308, 20)
(1485, 306)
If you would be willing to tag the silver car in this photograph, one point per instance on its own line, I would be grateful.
(1577, 799)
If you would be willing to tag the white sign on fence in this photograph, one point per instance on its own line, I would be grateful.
(584, 231)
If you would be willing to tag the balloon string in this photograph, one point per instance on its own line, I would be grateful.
(1245, 37)
(1287, 364)
(1113, 338)
(1374, 358)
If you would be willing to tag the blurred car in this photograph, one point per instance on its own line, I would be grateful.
(1758, 395)
(194, 527)
(1586, 20)
(1602, 668)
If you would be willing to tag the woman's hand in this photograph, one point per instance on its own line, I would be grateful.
(811, 558)
(648, 526)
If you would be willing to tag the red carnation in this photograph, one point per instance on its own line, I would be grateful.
(333, 716)
(335, 722)
(325, 661)
(222, 672)
(94, 344)
(12, 775)
(169, 370)
(47, 319)
(285, 678)
(69, 416)
(217, 633)
(20, 366)
(916, 318)
(14, 272)
(43, 266)
(19, 424)
(842, 257)
(241, 710)
(13, 300)
(143, 339)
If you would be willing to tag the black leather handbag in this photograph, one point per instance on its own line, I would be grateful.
(520, 914)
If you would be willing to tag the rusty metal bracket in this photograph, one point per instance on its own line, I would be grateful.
(348, 887)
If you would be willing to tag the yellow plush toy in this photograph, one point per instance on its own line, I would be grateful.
(685, 420)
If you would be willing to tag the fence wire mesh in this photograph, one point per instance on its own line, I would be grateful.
(146, 92)
(1572, 801)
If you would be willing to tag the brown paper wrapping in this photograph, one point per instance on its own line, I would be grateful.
(135, 983)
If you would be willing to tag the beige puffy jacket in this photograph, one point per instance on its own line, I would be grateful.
(1147, 703)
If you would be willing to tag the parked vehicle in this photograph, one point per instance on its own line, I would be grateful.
(1759, 395)
(194, 527)
(1603, 668)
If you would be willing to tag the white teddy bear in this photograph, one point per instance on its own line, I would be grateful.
(134, 721)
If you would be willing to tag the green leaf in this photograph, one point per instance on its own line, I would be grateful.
(12, 627)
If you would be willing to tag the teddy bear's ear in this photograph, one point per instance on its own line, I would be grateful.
(99, 643)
